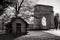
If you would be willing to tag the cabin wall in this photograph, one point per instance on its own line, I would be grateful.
(23, 26)
(0, 25)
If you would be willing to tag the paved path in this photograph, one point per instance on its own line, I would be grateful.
(54, 32)
(38, 35)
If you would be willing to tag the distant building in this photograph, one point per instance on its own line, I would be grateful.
(44, 17)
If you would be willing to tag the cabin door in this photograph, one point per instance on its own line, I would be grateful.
(18, 30)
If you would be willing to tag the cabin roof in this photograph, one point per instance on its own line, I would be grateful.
(13, 19)
(19, 18)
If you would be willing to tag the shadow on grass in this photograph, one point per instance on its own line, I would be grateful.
(7, 37)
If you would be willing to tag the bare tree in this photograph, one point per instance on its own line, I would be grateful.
(22, 7)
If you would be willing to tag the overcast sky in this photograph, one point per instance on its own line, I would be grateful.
(54, 3)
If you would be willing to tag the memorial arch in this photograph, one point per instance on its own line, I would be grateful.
(45, 15)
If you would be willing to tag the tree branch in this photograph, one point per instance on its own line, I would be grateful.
(20, 5)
